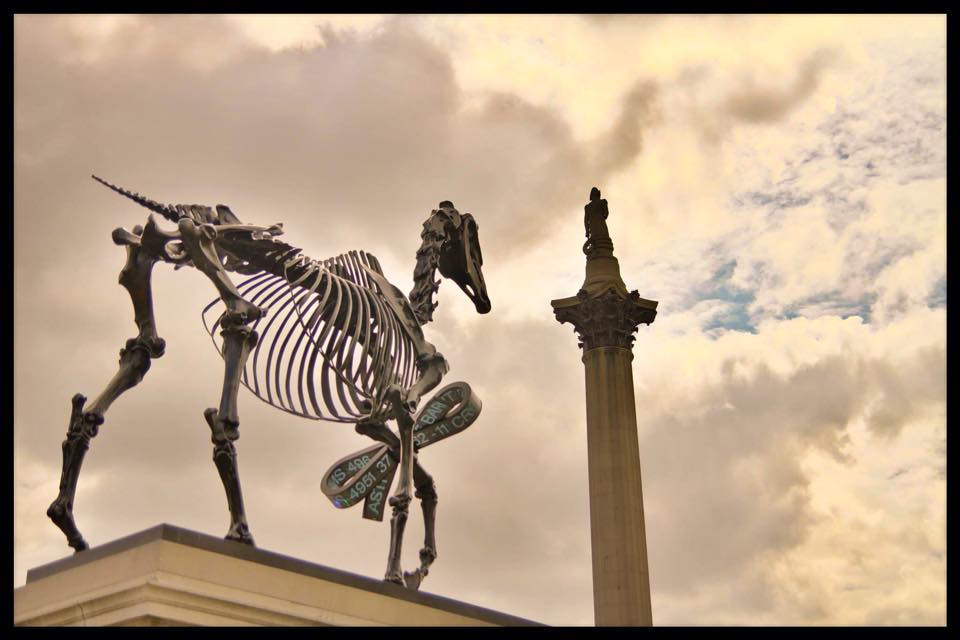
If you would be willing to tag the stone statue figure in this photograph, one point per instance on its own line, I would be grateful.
(329, 340)
(595, 224)
(595, 215)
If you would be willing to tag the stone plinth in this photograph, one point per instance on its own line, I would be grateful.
(167, 576)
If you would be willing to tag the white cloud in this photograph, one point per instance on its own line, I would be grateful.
(753, 445)
(766, 454)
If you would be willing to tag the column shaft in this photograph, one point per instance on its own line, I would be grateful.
(621, 583)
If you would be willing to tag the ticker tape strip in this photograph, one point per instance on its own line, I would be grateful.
(367, 475)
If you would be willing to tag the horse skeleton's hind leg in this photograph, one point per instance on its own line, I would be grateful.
(134, 364)
(238, 340)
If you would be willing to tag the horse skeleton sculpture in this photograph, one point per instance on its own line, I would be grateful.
(338, 320)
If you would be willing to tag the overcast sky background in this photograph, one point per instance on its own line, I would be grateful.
(777, 183)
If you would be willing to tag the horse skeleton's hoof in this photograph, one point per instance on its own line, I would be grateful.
(412, 579)
(395, 578)
(78, 544)
(240, 533)
(62, 516)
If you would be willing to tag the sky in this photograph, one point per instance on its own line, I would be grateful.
(776, 183)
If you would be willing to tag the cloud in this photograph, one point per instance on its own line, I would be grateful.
(323, 129)
(726, 440)
(311, 138)
(624, 141)
(756, 104)
(798, 360)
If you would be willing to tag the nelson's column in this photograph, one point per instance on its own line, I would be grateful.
(606, 316)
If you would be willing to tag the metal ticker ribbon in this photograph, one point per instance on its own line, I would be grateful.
(367, 474)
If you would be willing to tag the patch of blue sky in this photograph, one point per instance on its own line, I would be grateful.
(938, 297)
(870, 256)
(736, 315)
(832, 304)
(735, 318)
(773, 200)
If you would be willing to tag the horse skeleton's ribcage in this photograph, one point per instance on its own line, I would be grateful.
(327, 347)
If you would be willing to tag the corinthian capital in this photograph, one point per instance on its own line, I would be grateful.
(606, 320)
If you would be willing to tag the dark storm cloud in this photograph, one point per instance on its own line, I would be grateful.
(350, 145)
(906, 390)
(724, 486)
(760, 104)
(624, 141)
(366, 129)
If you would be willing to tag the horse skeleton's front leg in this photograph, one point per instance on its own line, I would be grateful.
(427, 493)
(400, 501)
(378, 431)
(431, 366)
(238, 340)
(198, 241)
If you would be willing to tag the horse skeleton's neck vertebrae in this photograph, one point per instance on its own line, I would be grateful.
(428, 256)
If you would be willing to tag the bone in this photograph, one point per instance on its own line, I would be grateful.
(123, 237)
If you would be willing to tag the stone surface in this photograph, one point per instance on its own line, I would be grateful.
(605, 317)
(621, 581)
(167, 576)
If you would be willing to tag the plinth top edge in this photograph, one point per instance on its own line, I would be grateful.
(241, 551)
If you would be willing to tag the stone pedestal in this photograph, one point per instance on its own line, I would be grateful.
(167, 576)
(606, 316)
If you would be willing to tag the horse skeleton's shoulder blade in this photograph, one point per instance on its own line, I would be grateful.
(398, 302)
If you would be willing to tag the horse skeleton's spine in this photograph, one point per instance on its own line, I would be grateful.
(327, 308)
